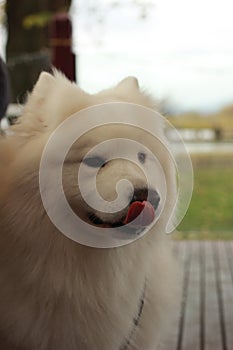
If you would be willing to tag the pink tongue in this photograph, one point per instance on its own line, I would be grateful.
(145, 209)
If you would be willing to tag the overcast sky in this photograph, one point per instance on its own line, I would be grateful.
(170, 25)
(182, 51)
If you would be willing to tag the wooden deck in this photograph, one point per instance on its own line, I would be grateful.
(205, 320)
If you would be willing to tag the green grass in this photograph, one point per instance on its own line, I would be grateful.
(210, 215)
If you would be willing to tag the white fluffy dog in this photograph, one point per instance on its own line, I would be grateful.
(57, 294)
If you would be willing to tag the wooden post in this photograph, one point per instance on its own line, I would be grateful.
(61, 43)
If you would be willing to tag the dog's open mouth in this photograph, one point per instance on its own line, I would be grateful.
(138, 216)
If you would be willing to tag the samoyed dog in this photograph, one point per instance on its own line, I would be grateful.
(57, 293)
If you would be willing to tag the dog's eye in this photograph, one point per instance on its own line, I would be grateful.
(94, 162)
(141, 157)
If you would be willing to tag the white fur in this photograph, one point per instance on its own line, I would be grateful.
(56, 294)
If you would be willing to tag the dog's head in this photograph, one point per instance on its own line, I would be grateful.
(105, 155)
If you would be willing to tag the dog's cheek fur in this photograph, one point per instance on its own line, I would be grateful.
(55, 283)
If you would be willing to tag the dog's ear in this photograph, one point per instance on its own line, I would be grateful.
(129, 83)
(34, 118)
(43, 85)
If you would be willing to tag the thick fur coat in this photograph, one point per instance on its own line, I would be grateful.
(55, 293)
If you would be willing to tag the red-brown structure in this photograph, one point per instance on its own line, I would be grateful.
(61, 43)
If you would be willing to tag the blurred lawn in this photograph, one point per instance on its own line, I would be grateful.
(223, 120)
(210, 215)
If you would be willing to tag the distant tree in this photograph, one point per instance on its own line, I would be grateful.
(28, 44)
(4, 89)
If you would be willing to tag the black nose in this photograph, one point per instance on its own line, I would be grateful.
(142, 194)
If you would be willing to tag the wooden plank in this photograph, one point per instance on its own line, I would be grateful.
(186, 272)
(215, 246)
(226, 274)
(203, 279)
(213, 339)
(191, 332)
(170, 341)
